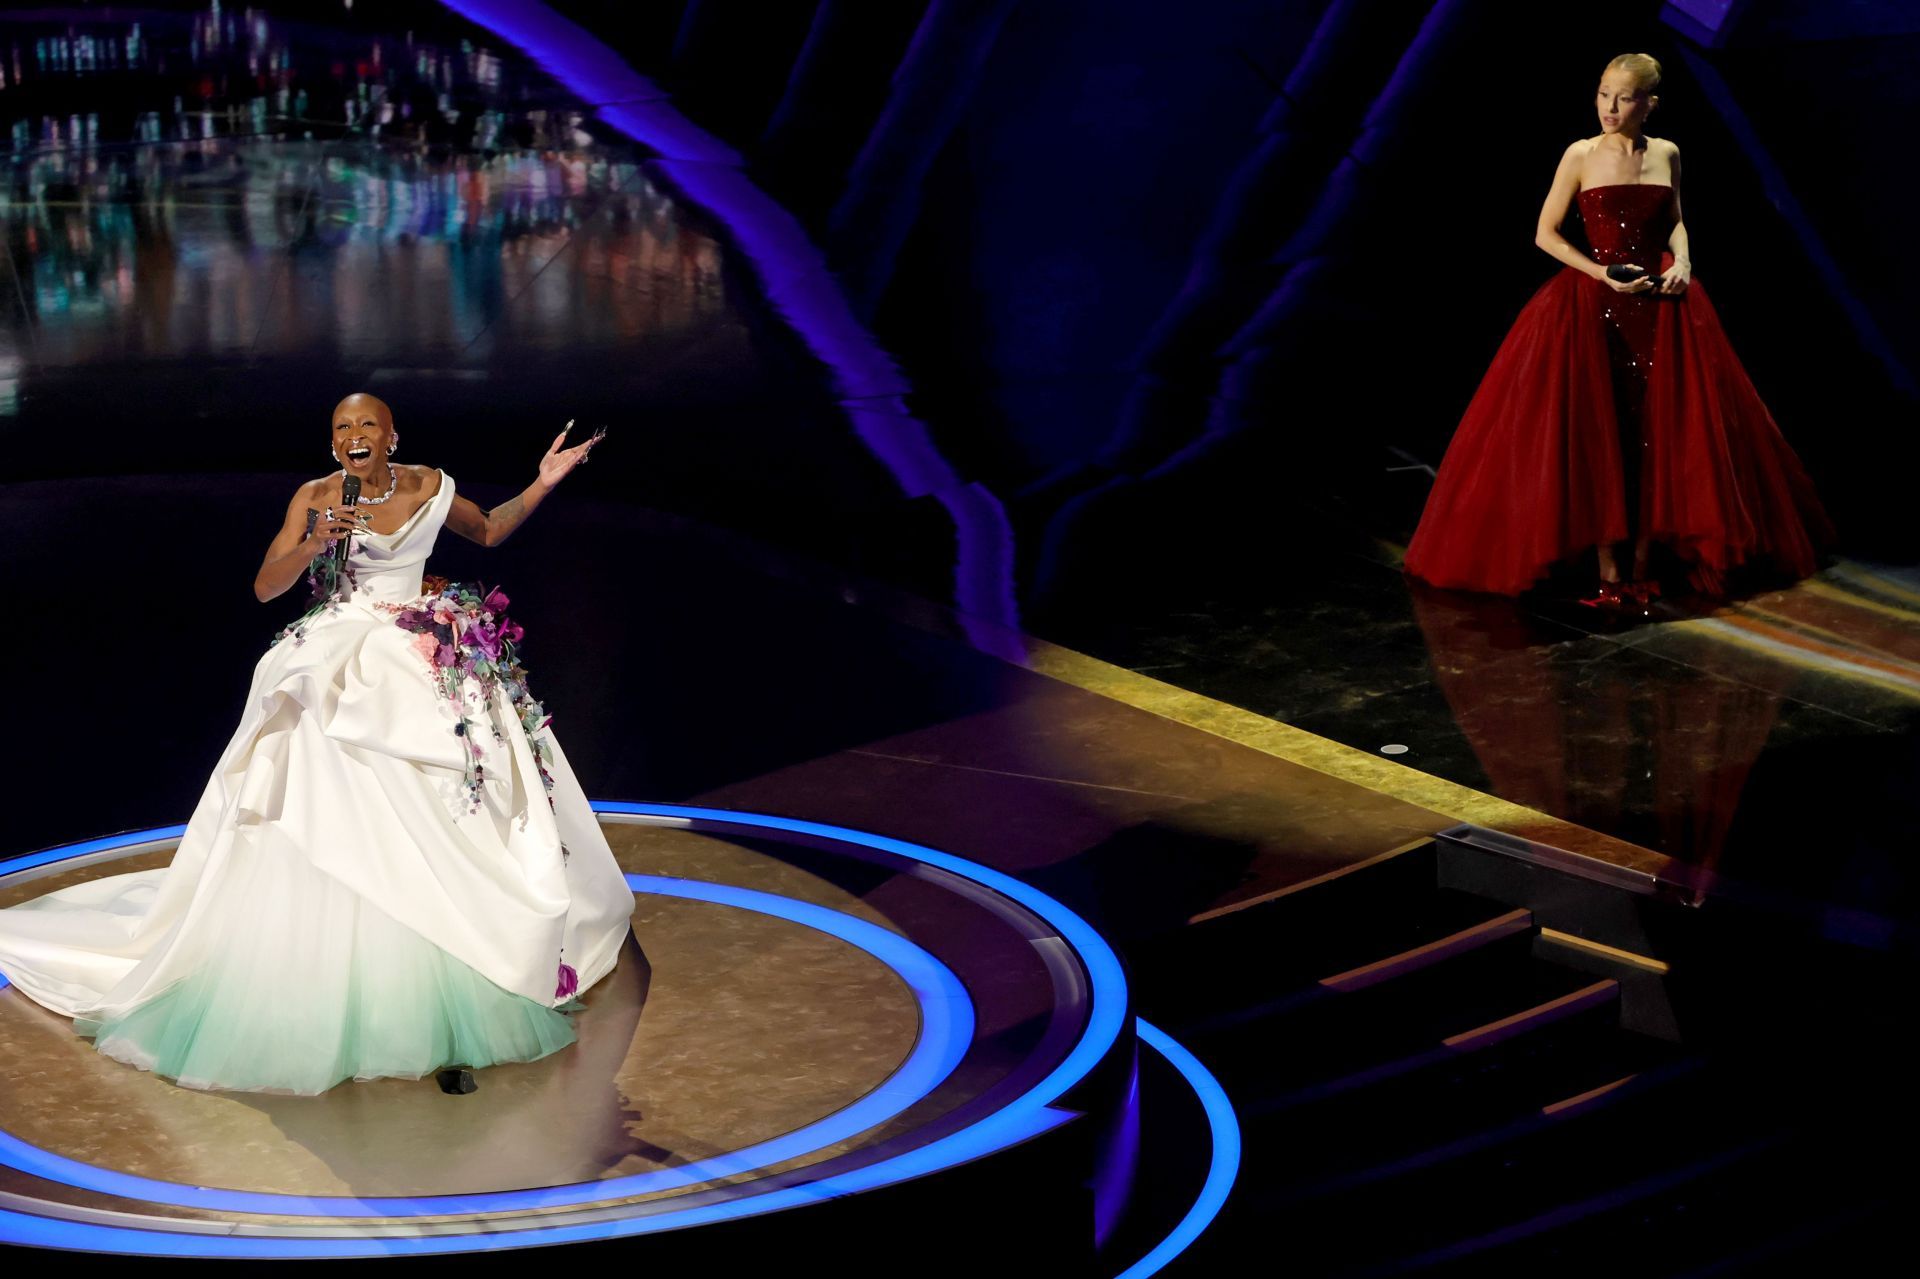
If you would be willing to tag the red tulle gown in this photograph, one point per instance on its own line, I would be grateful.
(1608, 414)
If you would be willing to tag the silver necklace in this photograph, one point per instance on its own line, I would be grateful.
(394, 482)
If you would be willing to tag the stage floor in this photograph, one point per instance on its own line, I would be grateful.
(755, 1026)
(1767, 740)
(1184, 755)
(804, 1012)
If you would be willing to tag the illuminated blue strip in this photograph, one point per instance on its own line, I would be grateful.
(1026, 1117)
(1221, 1170)
(1104, 974)
(46, 856)
(946, 1030)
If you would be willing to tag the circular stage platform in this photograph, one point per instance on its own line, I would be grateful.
(806, 1016)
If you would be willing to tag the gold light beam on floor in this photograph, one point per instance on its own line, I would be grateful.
(1322, 755)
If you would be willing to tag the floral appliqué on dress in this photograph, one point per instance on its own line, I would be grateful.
(463, 633)
(330, 579)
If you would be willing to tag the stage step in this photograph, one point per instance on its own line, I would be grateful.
(1640, 1136)
(1300, 937)
(1417, 957)
(1398, 1124)
(1339, 1040)
(1767, 1158)
(1549, 1013)
(1426, 1083)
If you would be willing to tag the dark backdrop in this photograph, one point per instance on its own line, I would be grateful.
(1100, 231)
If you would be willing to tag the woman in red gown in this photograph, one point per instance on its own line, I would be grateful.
(1616, 421)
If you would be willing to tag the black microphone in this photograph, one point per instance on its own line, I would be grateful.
(349, 498)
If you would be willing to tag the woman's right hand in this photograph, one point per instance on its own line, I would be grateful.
(333, 525)
(1642, 283)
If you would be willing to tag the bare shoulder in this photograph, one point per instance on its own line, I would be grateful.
(311, 495)
(422, 479)
(1573, 157)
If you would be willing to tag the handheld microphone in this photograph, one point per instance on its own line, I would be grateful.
(349, 498)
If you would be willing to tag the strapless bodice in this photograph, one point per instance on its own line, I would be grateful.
(388, 567)
(1628, 222)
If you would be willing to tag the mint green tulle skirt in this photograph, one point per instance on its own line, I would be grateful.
(311, 984)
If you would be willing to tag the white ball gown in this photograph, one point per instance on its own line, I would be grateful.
(387, 873)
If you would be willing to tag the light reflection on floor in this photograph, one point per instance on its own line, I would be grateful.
(1740, 737)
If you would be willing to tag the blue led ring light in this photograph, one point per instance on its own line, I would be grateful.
(946, 1030)
(1026, 1116)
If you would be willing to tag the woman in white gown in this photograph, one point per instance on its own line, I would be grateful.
(392, 869)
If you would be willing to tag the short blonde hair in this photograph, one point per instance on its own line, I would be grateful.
(1643, 67)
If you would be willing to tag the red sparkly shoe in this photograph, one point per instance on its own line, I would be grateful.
(1623, 599)
(1609, 598)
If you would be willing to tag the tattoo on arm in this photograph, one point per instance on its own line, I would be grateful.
(505, 518)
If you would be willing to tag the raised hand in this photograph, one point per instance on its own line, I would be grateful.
(332, 525)
(558, 461)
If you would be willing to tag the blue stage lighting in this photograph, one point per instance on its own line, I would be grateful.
(946, 1029)
(1221, 1169)
(945, 1036)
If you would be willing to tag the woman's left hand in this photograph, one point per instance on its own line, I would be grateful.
(1673, 280)
(558, 461)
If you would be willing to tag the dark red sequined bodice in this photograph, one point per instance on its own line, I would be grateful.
(1628, 223)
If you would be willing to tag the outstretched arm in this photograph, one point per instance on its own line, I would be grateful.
(490, 528)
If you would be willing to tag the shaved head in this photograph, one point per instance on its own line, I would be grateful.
(361, 435)
(359, 403)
